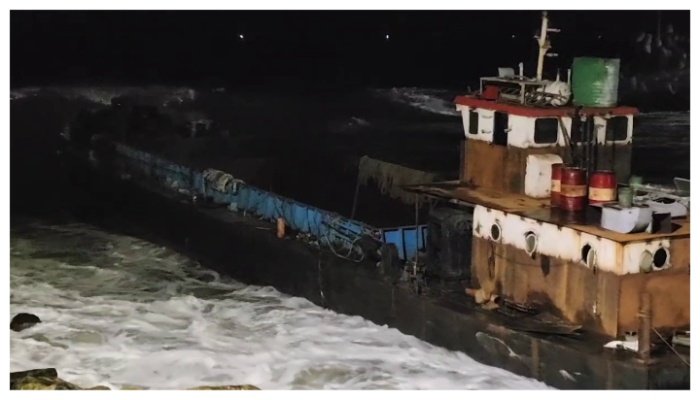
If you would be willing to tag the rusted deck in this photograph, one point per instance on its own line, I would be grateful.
(537, 209)
(488, 198)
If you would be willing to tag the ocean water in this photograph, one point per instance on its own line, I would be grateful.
(120, 311)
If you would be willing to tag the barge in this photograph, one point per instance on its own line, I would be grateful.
(529, 262)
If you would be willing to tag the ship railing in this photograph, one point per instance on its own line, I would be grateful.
(340, 234)
(521, 91)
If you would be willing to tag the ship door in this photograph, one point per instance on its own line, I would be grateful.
(500, 129)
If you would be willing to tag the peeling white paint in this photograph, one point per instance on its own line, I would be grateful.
(602, 123)
(565, 243)
(523, 133)
(538, 174)
(632, 255)
(486, 120)
(551, 240)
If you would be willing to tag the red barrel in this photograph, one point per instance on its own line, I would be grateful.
(602, 187)
(573, 189)
(556, 184)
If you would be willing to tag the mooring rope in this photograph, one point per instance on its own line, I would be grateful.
(671, 347)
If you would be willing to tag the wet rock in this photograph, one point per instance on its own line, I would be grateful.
(46, 372)
(47, 379)
(23, 321)
(43, 383)
(34, 379)
(229, 387)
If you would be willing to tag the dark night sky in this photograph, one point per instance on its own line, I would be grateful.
(425, 47)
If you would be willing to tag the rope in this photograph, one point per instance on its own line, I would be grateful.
(350, 251)
(329, 243)
(220, 181)
(671, 347)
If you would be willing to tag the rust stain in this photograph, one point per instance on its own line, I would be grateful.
(491, 262)
(670, 299)
(544, 264)
(503, 168)
(567, 290)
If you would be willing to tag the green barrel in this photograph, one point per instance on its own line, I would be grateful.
(594, 81)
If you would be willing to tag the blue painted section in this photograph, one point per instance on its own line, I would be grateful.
(405, 239)
(330, 228)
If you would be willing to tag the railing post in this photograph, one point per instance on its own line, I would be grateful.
(644, 334)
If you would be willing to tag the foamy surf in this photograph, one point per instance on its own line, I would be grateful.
(103, 95)
(119, 311)
(435, 101)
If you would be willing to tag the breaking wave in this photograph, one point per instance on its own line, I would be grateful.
(436, 101)
(157, 95)
(119, 311)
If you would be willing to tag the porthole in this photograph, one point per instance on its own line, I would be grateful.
(661, 258)
(588, 256)
(657, 260)
(495, 233)
(530, 243)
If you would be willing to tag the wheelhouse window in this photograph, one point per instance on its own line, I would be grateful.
(616, 129)
(546, 131)
(473, 122)
(500, 129)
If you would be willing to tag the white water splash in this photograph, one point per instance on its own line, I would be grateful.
(157, 95)
(121, 311)
(435, 101)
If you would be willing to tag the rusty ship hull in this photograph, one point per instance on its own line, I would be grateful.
(247, 249)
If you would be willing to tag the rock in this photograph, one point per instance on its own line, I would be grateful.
(43, 372)
(39, 379)
(23, 321)
(43, 383)
(99, 387)
(231, 387)
(47, 379)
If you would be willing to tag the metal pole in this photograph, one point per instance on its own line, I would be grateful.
(644, 334)
(417, 228)
(356, 197)
(543, 45)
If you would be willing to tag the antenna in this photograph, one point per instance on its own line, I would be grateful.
(543, 41)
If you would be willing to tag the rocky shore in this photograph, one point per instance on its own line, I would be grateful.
(47, 378)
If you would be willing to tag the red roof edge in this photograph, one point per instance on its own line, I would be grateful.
(529, 111)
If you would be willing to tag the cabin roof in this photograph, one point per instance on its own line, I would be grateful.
(530, 111)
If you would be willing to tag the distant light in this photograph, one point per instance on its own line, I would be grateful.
(387, 37)
(600, 36)
(241, 36)
(512, 36)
